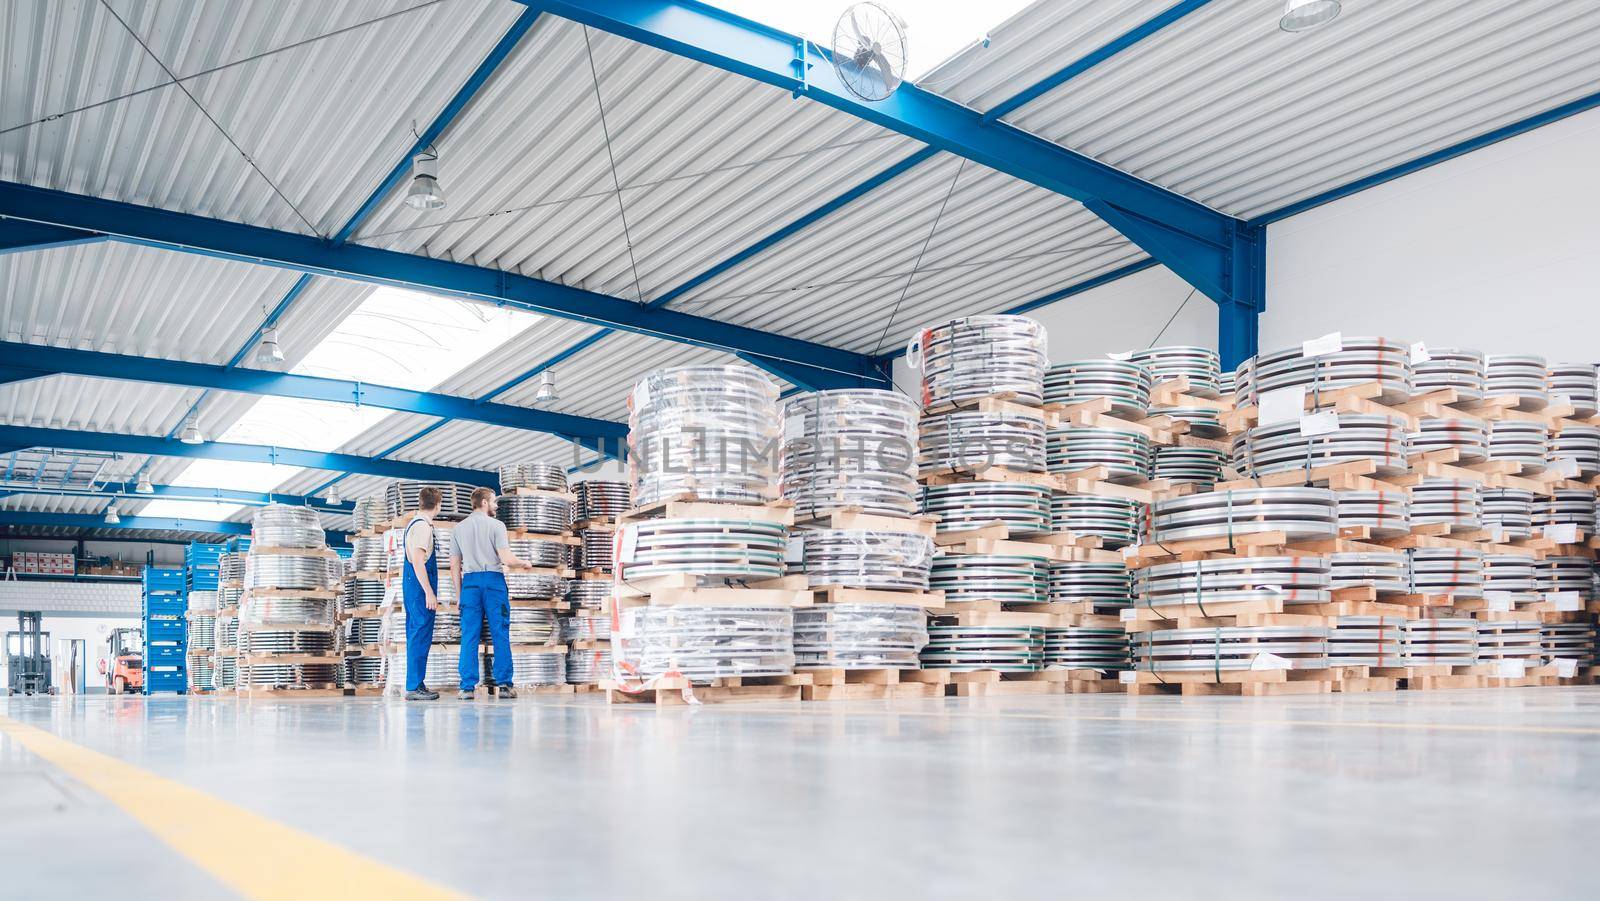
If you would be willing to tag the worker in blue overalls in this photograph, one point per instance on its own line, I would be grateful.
(419, 588)
(479, 553)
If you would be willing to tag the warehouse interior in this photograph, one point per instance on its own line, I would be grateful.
(1162, 435)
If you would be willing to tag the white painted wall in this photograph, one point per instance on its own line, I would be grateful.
(1498, 250)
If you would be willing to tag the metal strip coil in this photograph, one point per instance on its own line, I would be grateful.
(596, 550)
(1024, 509)
(1010, 579)
(543, 554)
(704, 430)
(1189, 465)
(978, 356)
(1117, 521)
(1230, 648)
(446, 626)
(364, 671)
(542, 476)
(371, 511)
(290, 675)
(1361, 360)
(288, 641)
(852, 448)
(1566, 574)
(590, 594)
(1014, 649)
(1297, 580)
(535, 513)
(1077, 647)
(1200, 365)
(1566, 505)
(1453, 571)
(974, 439)
(368, 554)
(859, 558)
(1580, 444)
(1576, 383)
(1526, 443)
(860, 636)
(1509, 572)
(1281, 447)
(291, 571)
(1125, 384)
(1510, 510)
(1384, 572)
(202, 631)
(1126, 456)
(1107, 586)
(1460, 369)
(586, 666)
(404, 497)
(1298, 512)
(715, 548)
(522, 586)
(1469, 438)
(363, 631)
(1385, 513)
(586, 627)
(704, 643)
(280, 525)
(1522, 375)
(603, 499)
(202, 675)
(1367, 641)
(1454, 501)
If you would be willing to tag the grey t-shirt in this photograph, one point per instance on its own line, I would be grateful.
(476, 539)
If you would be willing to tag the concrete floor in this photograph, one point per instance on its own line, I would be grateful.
(1464, 794)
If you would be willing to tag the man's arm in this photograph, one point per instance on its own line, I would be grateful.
(417, 551)
(502, 548)
(455, 570)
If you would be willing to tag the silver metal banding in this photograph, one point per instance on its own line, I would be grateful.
(978, 356)
(202, 675)
(586, 666)
(364, 671)
(1510, 510)
(590, 594)
(1108, 587)
(1079, 647)
(1580, 443)
(288, 641)
(363, 631)
(202, 600)
(535, 513)
(1566, 505)
(1385, 513)
(1282, 448)
(603, 499)
(291, 571)
(852, 448)
(704, 643)
(975, 439)
(1189, 465)
(543, 476)
(1509, 640)
(1452, 571)
(1359, 361)
(280, 525)
(446, 626)
(1382, 571)
(1008, 649)
(523, 586)
(1442, 642)
(291, 675)
(289, 611)
(540, 553)
(1522, 375)
(1024, 509)
(371, 511)
(1566, 574)
(202, 631)
(1297, 512)
(1455, 501)
(538, 667)
(1367, 641)
(1456, 368)
(704, 430)
(1125, 384)
(596, 550)
(586, 627)
(1469, 438)
(1200, 365)
(860, 636)
(1230, 648)
(858, 558)
(1509, 572)
(1126, 456)
(1296, 580)
(1576, 383)
(1009, 579)
(230, 567)
(1568, 641)
(1519, 442)
(1117, 521)
(404, 497)
(707, 548)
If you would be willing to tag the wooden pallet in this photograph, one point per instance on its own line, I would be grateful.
(686, 506)
(856, 518)
(788, 591)
(675, 691)
(836, 684)
(283, 694)
(997, 402)
(1097, 414)
(1238, 683)
(841, 594)
(541, 492)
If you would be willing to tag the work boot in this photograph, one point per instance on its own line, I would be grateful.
(507, 692)
(422, 694)
(465, 695)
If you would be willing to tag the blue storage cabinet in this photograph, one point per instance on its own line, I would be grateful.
(165, 630)
(200, 566)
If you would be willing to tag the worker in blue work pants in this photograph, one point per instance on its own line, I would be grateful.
(480, 552)
(419, 590)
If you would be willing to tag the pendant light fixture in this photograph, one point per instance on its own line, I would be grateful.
(1304, 15)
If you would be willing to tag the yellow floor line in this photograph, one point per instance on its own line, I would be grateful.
(255, 856)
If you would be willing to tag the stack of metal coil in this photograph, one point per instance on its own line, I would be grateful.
(1227, 383)
(1576, 383)
(1449, 571)
(1087, 648)
(229, 596)
(202, 674)
(1457, 368)
(1469, 438)
(541, 553)
(1389, 573)
(202, 629)
(526, 586)
(586, 666)
(1519, 375)
(861, 558)
(1557, 574)
(1125, 456)
(368, 554)
(1125, 384)
(1580, 443)
(977, 356)
(371, 511)
(1106, 587)
(286, 641)
(533, 625)
(850, 449)
(1230, 648)
(538, 667)
(964, 440)
(590, 594)
(362, 631)
(1281, 447)
(455, 499)
(1359, 361)
(1008, 578)
(1457, 502)
(602, 499)
(1510, 510)
(1118, 522)
(1296, 580)
(708, 548)
(1510, 640)
(691, 430)
(364, 670)
(586, 627)
(347, 594)
(369, 592)
(230, 568)
(202, 600)
(1189, 465)
(860, 636)
(225, 675)
(1567, 641)
(1202, 422)
(442, 671)
(1563, 506)
(280, 525)
(446, 626)
(541, 476)
(1513, 575)
(1386, 513)
(291, 675)
(227, 634)
(704, 643)
(1024, 509)
(1525, 443)
(1200, 365)
(541, 513)
(1297, 512)
(596, 549)
(1008, 649)
(1451, 641)
(289, 571)
(1367, 641)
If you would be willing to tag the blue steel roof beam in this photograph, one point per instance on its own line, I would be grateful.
(17, 236)
(231, 240)
(23, 518)
(114, 442)
(191, 493)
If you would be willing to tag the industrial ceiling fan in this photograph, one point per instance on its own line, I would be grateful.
(869, 51)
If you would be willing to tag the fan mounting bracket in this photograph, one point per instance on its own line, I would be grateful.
(801, 67)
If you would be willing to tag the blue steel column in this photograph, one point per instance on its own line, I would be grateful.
(1239, 319)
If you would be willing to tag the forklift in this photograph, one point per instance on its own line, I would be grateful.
(28, 657)
(125, 671)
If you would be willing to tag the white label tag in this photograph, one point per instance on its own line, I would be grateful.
(1313, 424)
(1419, 353)
(794, 549)
(1128, 614)
(1562, 532)
(1270, 662)
(1129, 552)
(1565, 467)
(1127, 677)
(1124, 356)
(1498, 601)
(1560, 400)
(1497, 533)
(794, 426)
(1565, 601)
(1566, 667)
(1331, 343)
(629, 551)
(1512, 669)
(623, 626)
(1281, 405)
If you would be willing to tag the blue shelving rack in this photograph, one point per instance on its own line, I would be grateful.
(165, 630)
(200, 563)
